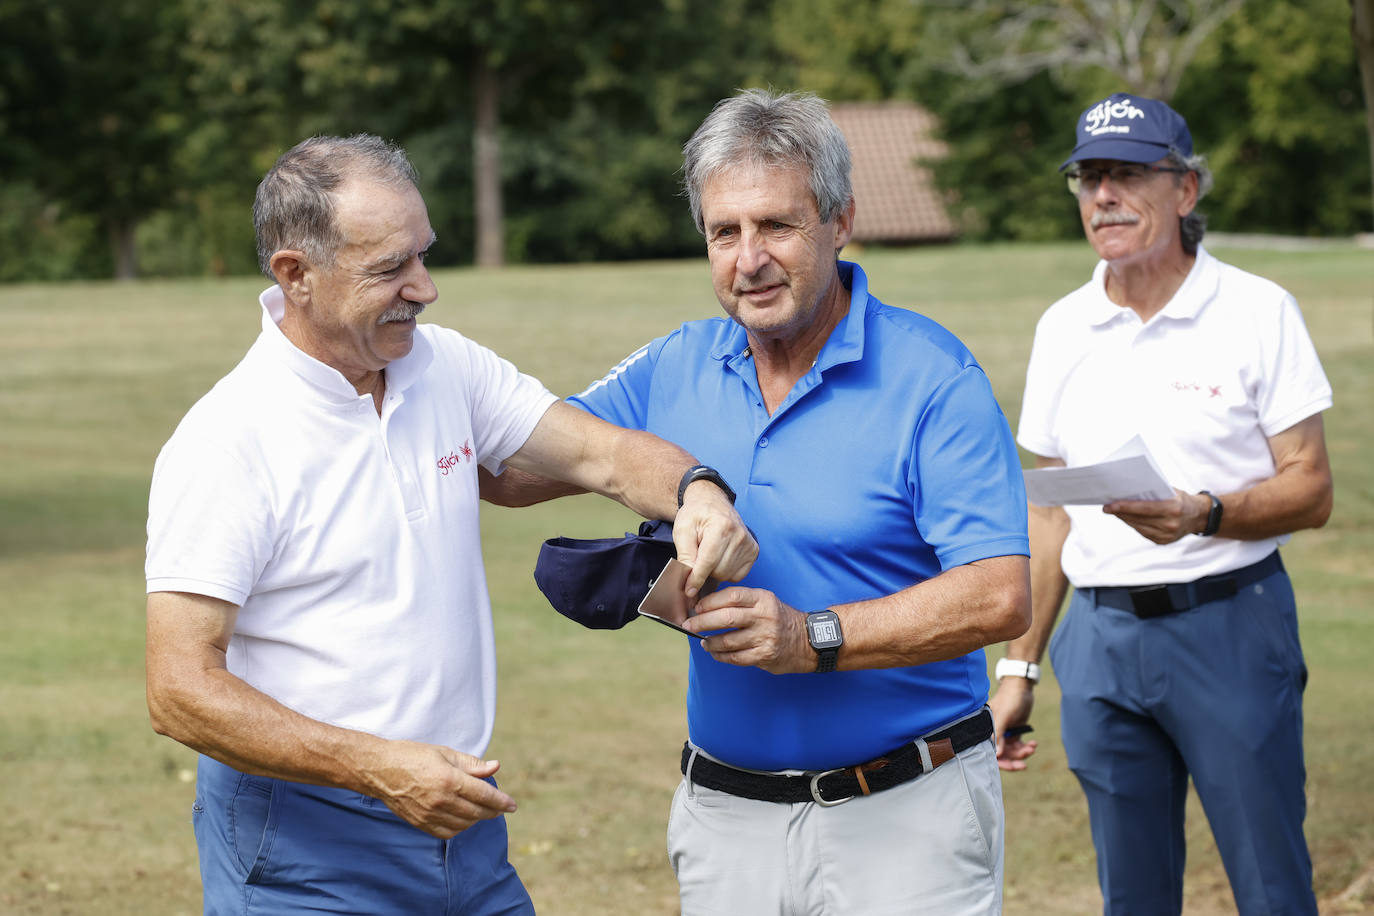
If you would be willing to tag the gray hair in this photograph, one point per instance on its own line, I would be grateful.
(761, 127)
(294, 207)
(1192, 227)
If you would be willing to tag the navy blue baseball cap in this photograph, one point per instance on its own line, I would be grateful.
(599, 582)
(1130, 128)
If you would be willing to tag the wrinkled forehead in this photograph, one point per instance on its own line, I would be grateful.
(759, 183)
(369, 214)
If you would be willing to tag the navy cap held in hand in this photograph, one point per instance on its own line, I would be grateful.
(599, 582)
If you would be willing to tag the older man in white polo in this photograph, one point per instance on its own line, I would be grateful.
(1179, 655)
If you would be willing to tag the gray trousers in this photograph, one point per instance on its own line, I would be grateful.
(932, 845)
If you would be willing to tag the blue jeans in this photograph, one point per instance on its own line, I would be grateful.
(1214, 693)
(268, 846)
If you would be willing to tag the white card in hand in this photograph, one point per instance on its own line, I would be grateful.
(667, 602)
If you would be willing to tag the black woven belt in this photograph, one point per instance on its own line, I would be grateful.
(1157, 600)
(831, 787)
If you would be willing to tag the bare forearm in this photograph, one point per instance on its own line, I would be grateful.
(515, 488)
(1049, 528)
(1297, 499)
(581, 452)
(223, 717)
(1297, 496)
(958, 611)
(194, 699)
(642, 472)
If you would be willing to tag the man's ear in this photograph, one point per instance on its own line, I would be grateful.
(1188, 202)
(844, 225)
(292, 273)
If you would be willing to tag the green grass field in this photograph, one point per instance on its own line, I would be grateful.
(95, 808)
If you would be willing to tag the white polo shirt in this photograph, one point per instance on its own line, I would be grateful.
(349, 540)
(1205, 382)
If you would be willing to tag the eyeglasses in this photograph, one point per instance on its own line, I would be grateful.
(1085, 180)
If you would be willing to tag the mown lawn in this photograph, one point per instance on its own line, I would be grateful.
(94, 808)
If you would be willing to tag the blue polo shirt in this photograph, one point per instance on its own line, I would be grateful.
(888, 462)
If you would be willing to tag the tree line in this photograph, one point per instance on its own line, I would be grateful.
(133, 132)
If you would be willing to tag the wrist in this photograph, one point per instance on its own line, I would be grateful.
(826, 637)
(1027, 671)
(1211, 515)
(701, 472)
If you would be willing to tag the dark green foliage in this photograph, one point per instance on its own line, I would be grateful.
(1006, 147)
(1276, 106)
(95, 104)
(161, 115)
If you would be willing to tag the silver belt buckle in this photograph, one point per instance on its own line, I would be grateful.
(816, 789)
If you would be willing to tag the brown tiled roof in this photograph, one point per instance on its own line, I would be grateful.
(895, 196)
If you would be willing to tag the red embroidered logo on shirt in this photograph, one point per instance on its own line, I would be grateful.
(453, 459)
(1213, 391)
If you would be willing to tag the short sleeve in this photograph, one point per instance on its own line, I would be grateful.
(621, 396)
(970, 496)
(210, 527)
(1293, 386)
(507, 404)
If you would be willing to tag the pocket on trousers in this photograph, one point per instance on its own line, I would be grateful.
(1272, 605)
(984, 817)
(255, 813)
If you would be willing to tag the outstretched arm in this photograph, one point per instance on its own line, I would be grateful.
(642, 471)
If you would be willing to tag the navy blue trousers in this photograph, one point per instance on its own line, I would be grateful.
(268, 846)
(1214, 693)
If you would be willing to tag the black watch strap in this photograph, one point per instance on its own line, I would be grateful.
(702, 472)
(1213, 515)
(824, 633)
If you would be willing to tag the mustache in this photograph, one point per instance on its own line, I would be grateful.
(757, 283)
(1113, 218)
(401, 312)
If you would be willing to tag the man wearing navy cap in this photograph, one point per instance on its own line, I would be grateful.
(1179, 654)
(840, 758)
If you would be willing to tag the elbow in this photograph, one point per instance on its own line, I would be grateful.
(1312, 508)
(159, 712)
(1015, 618)
(159, 720)
(1323, 504)
(1011, 616)
(167, 711)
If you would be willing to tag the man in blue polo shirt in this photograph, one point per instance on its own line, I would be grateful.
(840, 756)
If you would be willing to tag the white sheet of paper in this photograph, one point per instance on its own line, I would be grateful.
(1128, 473)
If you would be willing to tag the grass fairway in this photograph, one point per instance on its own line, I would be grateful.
(95, 808)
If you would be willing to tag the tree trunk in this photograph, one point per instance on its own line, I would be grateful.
(123, 248)
(491, 233)
(1362, 29)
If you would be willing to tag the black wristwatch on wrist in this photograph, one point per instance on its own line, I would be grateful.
(1213, 515)
(823, 631)
(702, 472)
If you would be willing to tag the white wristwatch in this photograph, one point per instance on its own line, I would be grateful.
(1015, 667)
